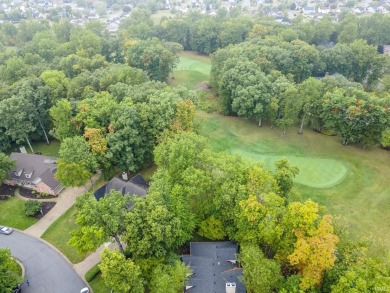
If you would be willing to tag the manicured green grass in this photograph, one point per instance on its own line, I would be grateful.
(349, 181)
(46, 149)
(313, 172)
(192, 70)
(58, 234)
(160, 14)
(98, 285)
(12, 214)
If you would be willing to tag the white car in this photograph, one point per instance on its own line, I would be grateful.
(85, 290)
(5, 230)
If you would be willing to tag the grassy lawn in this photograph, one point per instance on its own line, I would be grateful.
(192, 70)
(12, 214)
(46, 149)
(58, 234)
(348, 181)
(160, 14)
(98, 285)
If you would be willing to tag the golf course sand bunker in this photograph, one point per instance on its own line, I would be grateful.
(313, 172)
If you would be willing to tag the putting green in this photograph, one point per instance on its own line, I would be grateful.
(313, 172)
(187, 64)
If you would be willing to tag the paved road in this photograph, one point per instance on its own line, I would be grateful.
(46, 269)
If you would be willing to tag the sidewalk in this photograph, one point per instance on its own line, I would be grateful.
(93, 259)
(64, 201)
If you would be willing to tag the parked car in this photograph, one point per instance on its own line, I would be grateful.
(5, 230)
(85, 290)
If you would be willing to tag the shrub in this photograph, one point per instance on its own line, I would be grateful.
(43, 194)
(385, 141)
(32, 207)
(91, 274)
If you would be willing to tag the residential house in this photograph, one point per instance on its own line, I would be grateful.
(308, 10)
(214, 268)
(135, 186)
(34, 172)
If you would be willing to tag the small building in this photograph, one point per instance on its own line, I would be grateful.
(214, 268)
(135, 186)
(34, 172)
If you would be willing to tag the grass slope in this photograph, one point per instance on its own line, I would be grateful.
(191, 70)
(98, 285)
(47, 150)
(348, 181)
(58, 234)
(12, 214)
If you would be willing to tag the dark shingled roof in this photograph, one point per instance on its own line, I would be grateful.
(212, 265)
(125, 187)
(37, 165)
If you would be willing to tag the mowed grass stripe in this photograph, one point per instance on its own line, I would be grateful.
(313, 172)
(187, 64)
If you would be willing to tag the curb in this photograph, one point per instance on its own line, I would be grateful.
(21, 265)
(58, 251)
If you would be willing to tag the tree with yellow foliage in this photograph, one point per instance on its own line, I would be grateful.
(314, 252)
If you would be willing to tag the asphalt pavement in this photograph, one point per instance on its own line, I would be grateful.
(46, 270)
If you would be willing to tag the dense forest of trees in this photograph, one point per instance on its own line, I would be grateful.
(105, 98)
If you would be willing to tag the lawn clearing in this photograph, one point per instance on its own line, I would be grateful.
(313, 172)
(46, 149)
(98, 285)
(192, 70)
(58, 234)
(348, 181)
(12, 214)
(156, 18)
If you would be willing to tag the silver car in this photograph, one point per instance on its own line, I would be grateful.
(5, 230)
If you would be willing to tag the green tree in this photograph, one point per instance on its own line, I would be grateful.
(204, 35)
(100, 221)
(212, 228)
(151, 56)
(255, 264)
(169, 278)
(58, 84)
(62, 117)
(152, 230)
(18, 119)
(125, 139)
(6, 164)
(72, 174)
(284, 175)
(96, 112)
(76, 150)
(9, 277)
(119, 273)
(14, 69)
(86, 42)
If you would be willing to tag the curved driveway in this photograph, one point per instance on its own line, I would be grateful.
(46, 270)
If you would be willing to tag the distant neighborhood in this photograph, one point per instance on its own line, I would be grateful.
(80, 12)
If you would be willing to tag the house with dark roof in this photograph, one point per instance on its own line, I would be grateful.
(135, 186)
(34, 172)
(214, 268)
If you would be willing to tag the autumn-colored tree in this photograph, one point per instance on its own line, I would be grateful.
(184, 119)
(314, 252)
(96, 140)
